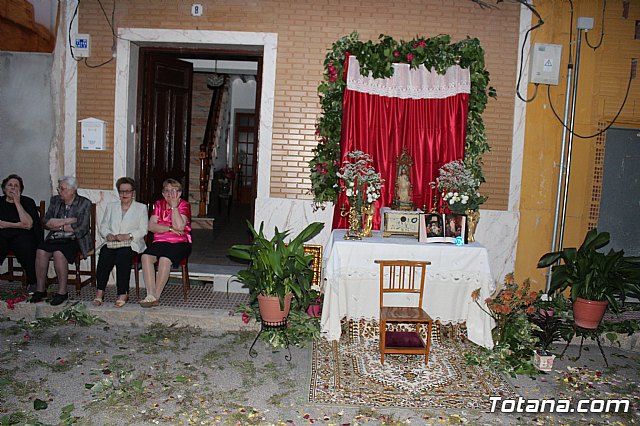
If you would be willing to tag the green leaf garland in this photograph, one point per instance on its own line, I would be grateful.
(436, 53)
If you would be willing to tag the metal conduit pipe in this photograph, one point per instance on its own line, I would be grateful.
(567, 129)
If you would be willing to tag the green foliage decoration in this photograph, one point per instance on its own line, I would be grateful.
(301, 328)
(436, 53)
(511, 355)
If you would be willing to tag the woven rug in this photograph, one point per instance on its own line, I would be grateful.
(349, 372)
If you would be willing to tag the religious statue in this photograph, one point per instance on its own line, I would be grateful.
(402, 199)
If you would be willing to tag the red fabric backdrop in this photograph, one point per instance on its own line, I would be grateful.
(433, 130)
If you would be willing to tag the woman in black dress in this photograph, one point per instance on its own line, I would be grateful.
(20, 230)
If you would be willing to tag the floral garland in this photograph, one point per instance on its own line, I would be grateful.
(434, 53)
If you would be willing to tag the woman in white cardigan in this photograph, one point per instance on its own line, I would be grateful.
(124, 227)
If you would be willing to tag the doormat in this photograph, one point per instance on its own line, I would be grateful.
(349, 372)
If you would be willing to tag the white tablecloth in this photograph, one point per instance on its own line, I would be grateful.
(352, 281)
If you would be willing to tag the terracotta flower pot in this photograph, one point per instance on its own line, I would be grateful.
(270, 311)
(588, 313)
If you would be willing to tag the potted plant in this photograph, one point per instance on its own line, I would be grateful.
(552, 323)
(278, 269)
(513, 334)
(595, 279)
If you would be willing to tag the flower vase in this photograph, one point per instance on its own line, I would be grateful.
(543, 360)
(473, 216)
(354, 232)
(367, 220)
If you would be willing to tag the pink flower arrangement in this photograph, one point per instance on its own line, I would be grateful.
(245, 318)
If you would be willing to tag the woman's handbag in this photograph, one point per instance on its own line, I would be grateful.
(60, 237)
(118, 244)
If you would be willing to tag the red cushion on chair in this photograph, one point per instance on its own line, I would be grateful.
(403, 339)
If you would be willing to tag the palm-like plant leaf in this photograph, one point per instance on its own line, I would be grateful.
(591, 274)
(277, 267)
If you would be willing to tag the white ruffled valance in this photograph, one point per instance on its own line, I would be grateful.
(407, 83)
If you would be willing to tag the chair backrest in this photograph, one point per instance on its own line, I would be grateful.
(92, 226)
(402, 276)
(42, 209)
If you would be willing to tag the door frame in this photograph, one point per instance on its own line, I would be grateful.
(126, 132)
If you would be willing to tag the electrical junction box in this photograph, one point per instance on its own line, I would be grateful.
(82, 46)
(545, 63)
(93, 133)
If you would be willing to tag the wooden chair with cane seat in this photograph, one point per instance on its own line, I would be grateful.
(398, 277)
(79, 276)
(11, 275)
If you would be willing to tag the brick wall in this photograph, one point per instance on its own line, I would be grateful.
(306, 29)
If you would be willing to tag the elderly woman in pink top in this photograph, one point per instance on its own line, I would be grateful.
(170, 223)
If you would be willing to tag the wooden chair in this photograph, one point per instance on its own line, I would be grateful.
(11, 275)
(396, 277)
(76, 272)
(184, 267)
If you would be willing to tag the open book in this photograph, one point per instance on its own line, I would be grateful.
(443, 228)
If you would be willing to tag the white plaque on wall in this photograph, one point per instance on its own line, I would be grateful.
(93, 133)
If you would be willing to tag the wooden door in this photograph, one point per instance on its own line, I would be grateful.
(245, 156)
(165, 128)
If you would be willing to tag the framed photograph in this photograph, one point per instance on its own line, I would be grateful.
(442, 228)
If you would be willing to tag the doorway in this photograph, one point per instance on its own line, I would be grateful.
(171, 142)
(246, 147)
(621, 190)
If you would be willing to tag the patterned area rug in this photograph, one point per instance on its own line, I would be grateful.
(350, 373)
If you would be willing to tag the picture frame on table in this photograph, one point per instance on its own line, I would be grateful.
(443, 228)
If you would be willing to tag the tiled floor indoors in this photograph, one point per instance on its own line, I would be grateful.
(210, 245)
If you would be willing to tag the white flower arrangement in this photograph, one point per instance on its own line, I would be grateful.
(361, 183)
(459, 188)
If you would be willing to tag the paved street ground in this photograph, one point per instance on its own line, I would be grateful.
(104, 374)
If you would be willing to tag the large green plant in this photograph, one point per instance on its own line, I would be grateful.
(277, 267)
(591, 274)
(436, 53)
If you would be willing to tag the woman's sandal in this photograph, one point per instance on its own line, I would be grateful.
(149, 302)
(121, 302)
(97, 301)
